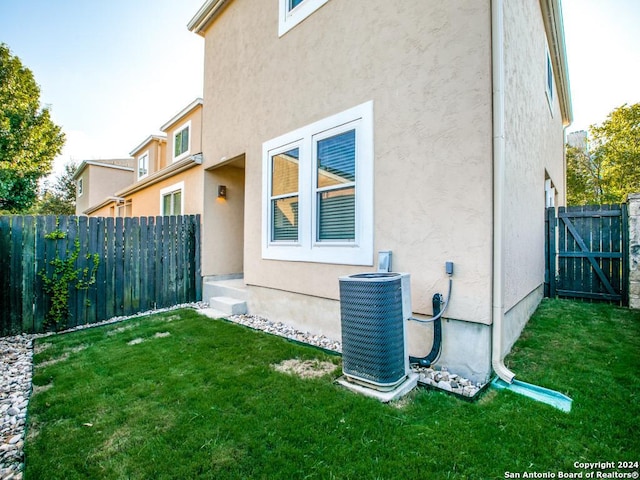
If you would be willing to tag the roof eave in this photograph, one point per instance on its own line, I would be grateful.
(183, 113)
(554, 26)
(203, 17)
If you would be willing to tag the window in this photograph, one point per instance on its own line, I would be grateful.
(80, 187)
(284, 195)
(124, 209)
(549, 81)
(181, 145)
(292, 12)
(318, 181)
(143, 165)
(171, 199)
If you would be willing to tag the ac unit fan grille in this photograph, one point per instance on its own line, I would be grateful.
(372, 330)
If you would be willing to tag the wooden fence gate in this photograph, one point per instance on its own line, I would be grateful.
(587, 253)
(114, 266)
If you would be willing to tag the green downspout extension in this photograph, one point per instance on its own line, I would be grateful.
(540, 394)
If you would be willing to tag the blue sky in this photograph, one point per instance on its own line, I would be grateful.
(603, 51)
(114, 72)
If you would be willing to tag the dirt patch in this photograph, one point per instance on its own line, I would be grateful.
(135, 341)
(53, 361)
(41, 347)
(124, 328)
(79, 348)
(305, 368)
(161, 334)
(36, 389)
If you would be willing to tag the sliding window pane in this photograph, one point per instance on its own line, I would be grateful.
(337, 159)
(285, 219)
(284, 173)
(337, 214)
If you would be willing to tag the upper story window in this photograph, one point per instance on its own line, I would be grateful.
(182, 142)
(143, 165)
(80, 187)
(318, 184)
(549, 80)
(292, 12)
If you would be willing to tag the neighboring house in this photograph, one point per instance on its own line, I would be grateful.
(343, 128)
(166, 178)
(579, 140)
(97, 180)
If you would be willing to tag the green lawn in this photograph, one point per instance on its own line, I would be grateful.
(199, 398)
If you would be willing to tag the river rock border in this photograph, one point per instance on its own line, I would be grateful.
(439, 378)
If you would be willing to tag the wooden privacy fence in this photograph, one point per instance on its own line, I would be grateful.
(587, 253)
(107, 266)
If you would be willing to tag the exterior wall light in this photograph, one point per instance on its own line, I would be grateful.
(222, 191)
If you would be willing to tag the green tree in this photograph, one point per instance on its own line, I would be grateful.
(583, 178)
(616, 147)
(29, 140)
(611, 168)
(60, 198)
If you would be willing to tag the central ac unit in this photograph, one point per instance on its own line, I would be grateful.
(374, 308)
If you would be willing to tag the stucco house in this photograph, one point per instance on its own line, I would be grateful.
(165, 177)
(344, 128)
(96, 180)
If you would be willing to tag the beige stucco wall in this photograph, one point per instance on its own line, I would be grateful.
(157, 150)
(147, 202)
(99, 183)
(534, 148)
(105, 211)
(195, 135)
(426, 67)
(225, 246)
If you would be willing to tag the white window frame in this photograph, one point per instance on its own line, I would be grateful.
(170, 190)
(290, 17)
(145, 154)
(549, 79)
(80, 187)
(186, 153)
(307, 248)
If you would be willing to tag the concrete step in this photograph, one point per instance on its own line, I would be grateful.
(229, 288)
(228, 305)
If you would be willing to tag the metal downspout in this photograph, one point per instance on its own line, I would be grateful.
(497, 307)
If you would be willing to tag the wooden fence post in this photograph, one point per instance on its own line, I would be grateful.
(633, 249)
(550, 251)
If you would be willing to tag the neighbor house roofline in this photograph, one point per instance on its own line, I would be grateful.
(100, 163)
(148, 140)
(198, 101)
(182, 165)
(100, 205)
(173, 169)
(205, 15)
(554, 27)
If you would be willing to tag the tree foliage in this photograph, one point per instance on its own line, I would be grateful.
(617, 149)
(59, 198)
(29, 140)
(610, 170)
(583, 178)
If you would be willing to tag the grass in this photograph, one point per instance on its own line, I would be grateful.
(199, 398)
